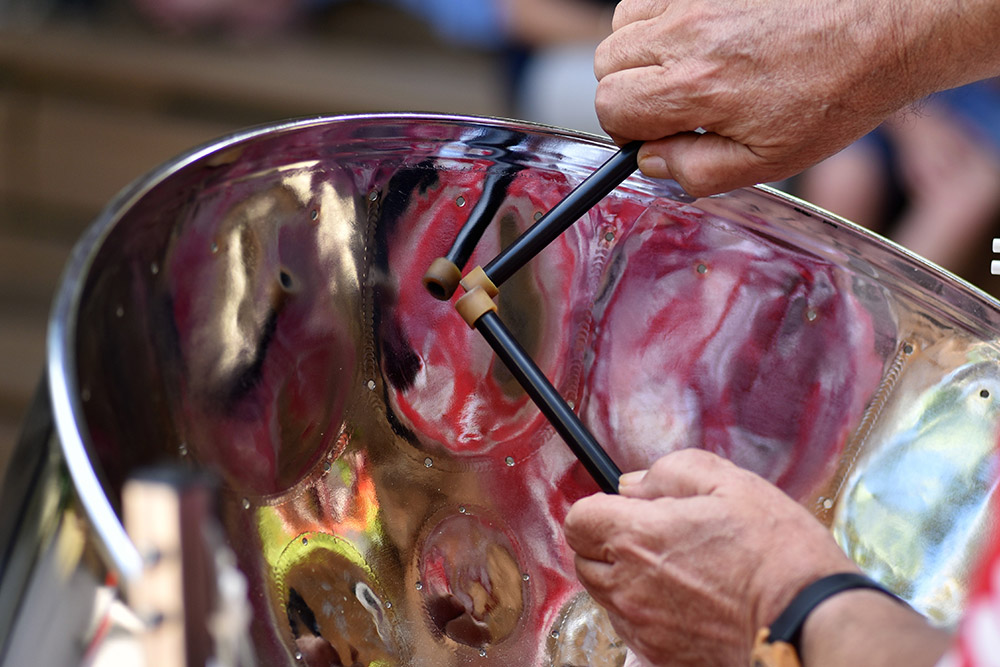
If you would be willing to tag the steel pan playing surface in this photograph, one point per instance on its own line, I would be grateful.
(391, 494)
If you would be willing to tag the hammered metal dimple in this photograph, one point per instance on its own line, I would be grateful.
(926, 483)
(391, 494)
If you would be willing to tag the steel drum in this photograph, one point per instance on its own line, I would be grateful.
(389, 492)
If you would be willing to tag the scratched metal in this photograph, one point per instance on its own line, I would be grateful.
(391, 494)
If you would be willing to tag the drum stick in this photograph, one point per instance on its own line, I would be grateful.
(443, 276)
(560, 217)
(479, 310)
(583, 444)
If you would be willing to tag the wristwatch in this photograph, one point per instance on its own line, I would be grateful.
(778, 645)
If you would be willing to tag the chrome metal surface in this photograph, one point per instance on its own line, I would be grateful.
(392, 496)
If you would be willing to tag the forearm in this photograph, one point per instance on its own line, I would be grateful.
(861, 627)
(948, 43)
(891, 53)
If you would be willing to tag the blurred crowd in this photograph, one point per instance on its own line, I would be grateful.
(929, 178)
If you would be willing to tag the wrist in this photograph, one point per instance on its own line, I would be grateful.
(885, 73)
(866, 627)
(836, 617)
(779, 644)
(782, 588)
(945, 43)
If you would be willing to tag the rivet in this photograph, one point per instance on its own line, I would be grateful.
(811, 315)
(482, 653)
(525, 577)
(182, 449)
(571, 404)
(388, 605)
(461, 510)
(214, 247)
(119, 312)
(428, 463)
(702, 269)
(373, 195)
(984, 393)
(327, 465)
(246, 503)
(298, 655)
(420, 586)
(554, 634)
(314, 214)
(371, 385)
(460, 200)
(538, 215)
(154, 268)
(609, 237)
(509, 461)
(828, 503)
(305, 541)
(907, 349)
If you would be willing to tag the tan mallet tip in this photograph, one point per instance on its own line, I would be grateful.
(442, 279)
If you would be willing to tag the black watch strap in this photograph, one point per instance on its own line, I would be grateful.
(788, 626)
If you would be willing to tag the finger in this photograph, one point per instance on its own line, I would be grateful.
(631, 478)
(596, 576)
(681, 474)
(631, 11)
(707, 164)
(646, 103)
(592, 521)
(629, 47)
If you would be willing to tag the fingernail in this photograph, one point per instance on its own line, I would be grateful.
(654, 166)
(631, 478)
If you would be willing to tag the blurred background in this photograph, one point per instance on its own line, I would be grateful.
(94, 93)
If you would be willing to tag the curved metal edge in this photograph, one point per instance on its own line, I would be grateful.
(67, 410)
(968, 289)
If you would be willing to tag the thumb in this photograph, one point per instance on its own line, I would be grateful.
(704, 164)
(680, 474)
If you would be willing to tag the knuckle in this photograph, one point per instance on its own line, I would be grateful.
(690, 455)
(664, 464)
(605, 103)
(699, 183)
(577, 526)
(602, 60)
(629, 608)
(624, 545)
